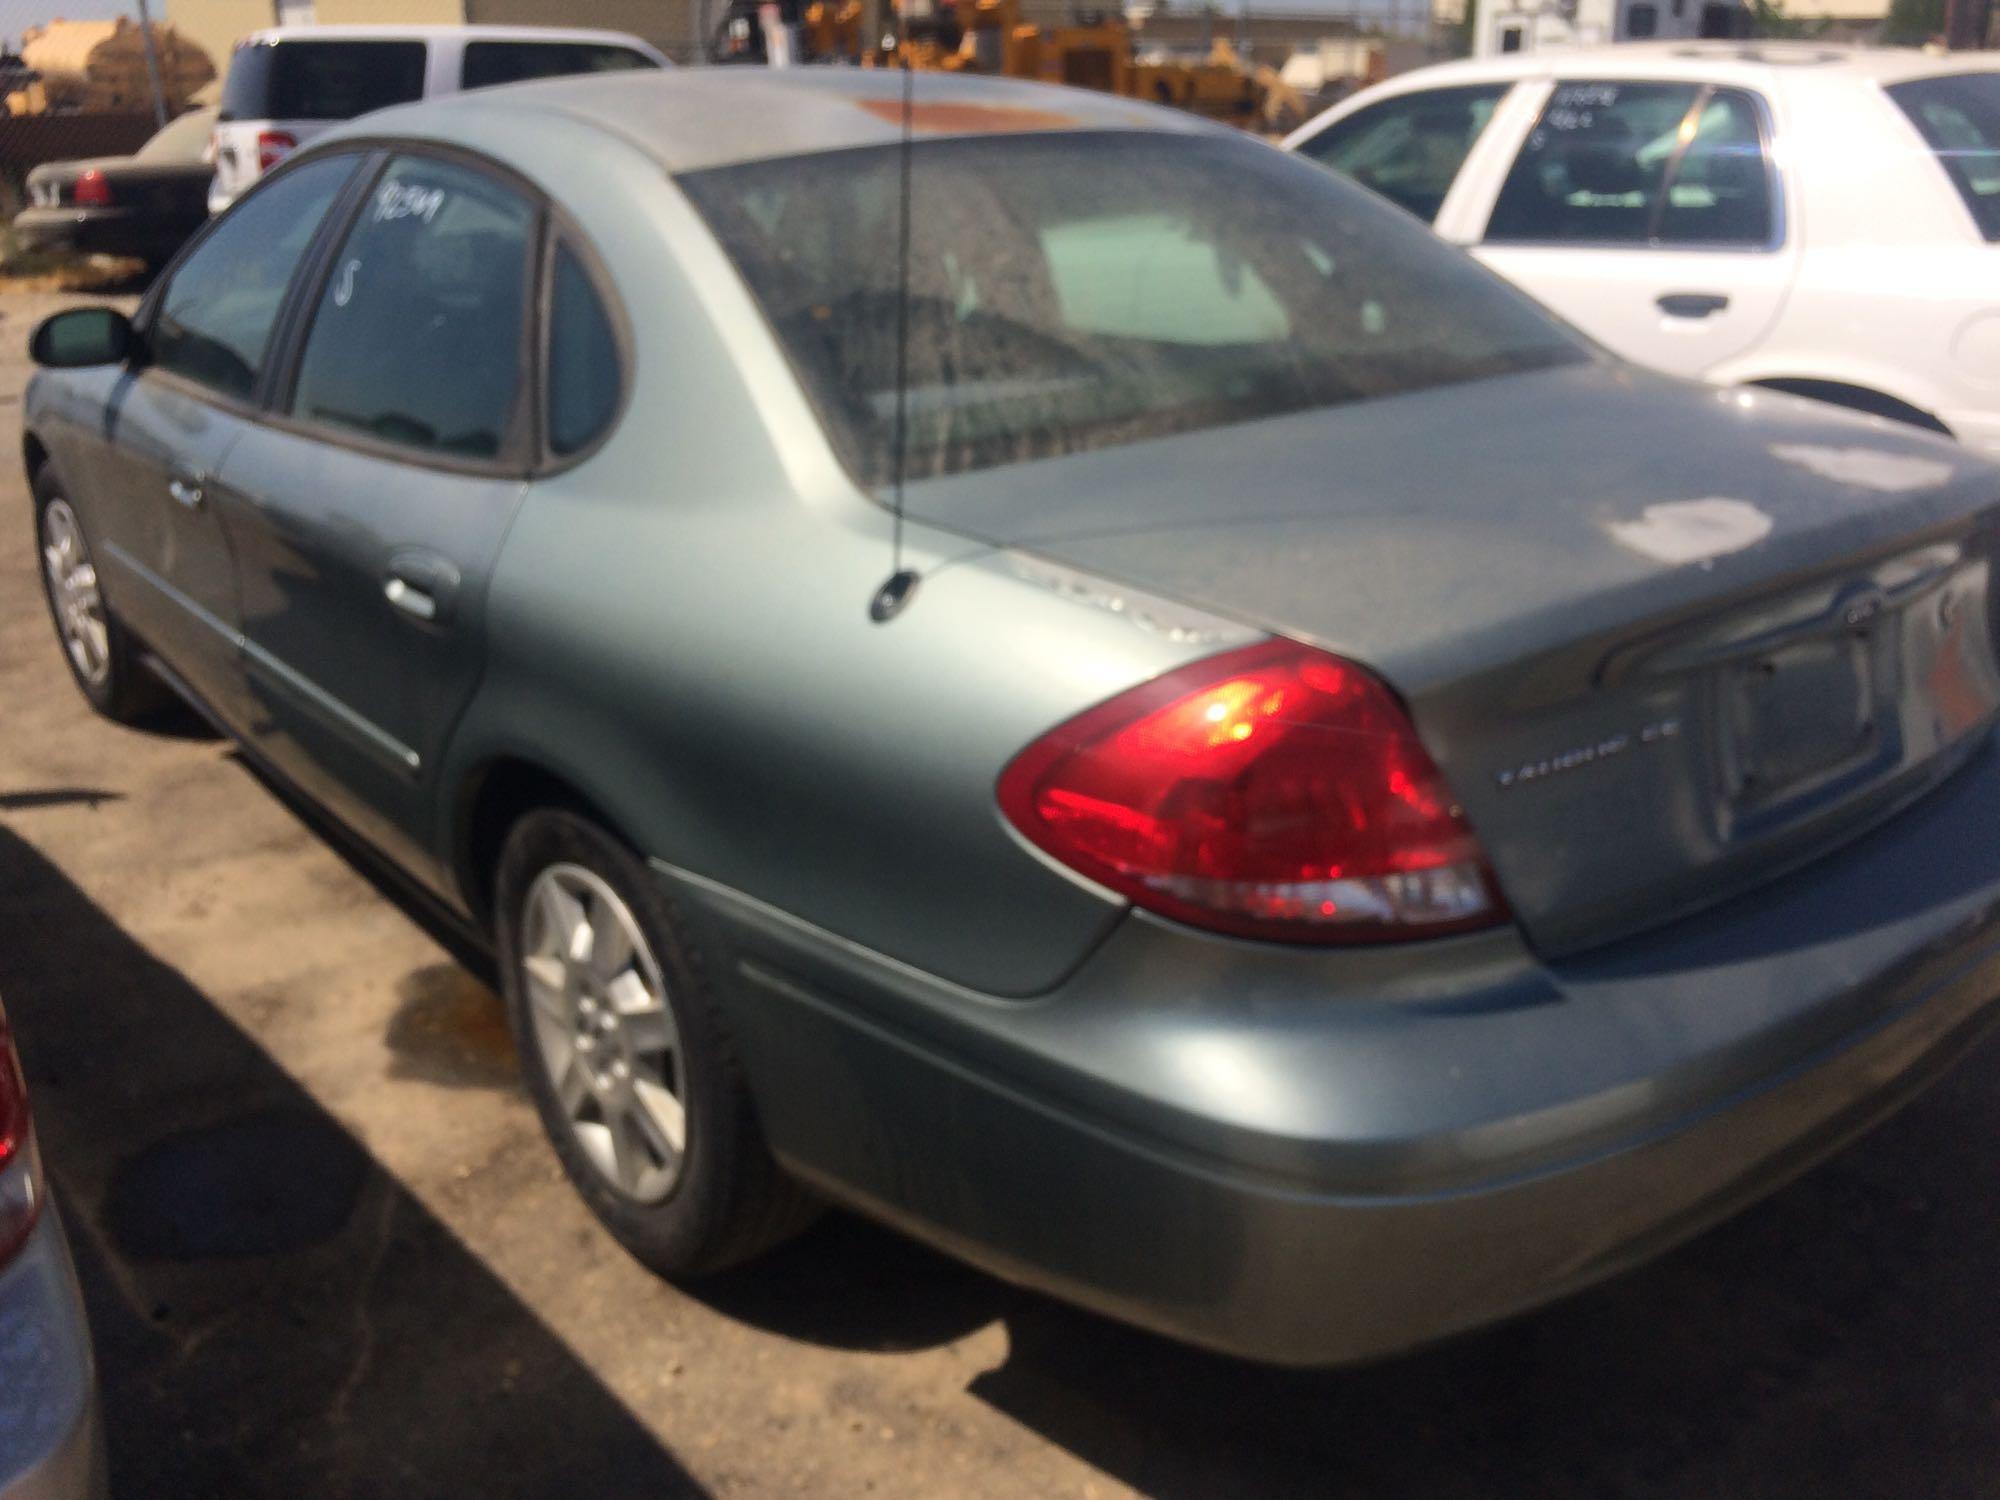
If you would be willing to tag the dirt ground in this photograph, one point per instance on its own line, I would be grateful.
(327, 1254)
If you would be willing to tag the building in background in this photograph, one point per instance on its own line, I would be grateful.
(671, 25)
(1501, 26)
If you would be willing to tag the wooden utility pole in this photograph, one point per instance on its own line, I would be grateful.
(152, 65)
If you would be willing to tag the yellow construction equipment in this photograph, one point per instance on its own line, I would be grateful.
(988, 36)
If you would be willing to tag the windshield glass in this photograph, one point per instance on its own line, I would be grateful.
(1070, 292)
(1960, 117)
(183, 139)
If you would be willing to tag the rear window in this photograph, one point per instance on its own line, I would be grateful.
(183, 139)
(488, 63)
(1077, 291)
(303, 80)
(1960, 118)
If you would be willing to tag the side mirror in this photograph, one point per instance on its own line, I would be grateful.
(83, 336)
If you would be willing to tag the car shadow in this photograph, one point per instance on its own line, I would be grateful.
(1841, 1338)
(274, 1315)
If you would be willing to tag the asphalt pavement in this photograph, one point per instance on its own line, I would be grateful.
(326, 1252)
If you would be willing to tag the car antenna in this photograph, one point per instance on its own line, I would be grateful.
(901, 585)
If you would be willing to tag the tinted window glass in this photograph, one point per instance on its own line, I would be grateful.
(214, 322)
(513, 62)
(1720, 21)
(1078, 291)
(306, 80)
(1637, 163)
(1960, 118)
(1719, 193)
(417, 337)
(1409, 149)
(583, 359)
(1642, 21)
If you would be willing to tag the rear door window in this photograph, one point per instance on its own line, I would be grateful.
(1640, 164)
(488, 63)
(314, 80)
(1410, 148)
(215, 318)
(583, 379)
(417, 339)
(1960, 119)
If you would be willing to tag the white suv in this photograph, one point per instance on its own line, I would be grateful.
(1821, 220)
(288, 83)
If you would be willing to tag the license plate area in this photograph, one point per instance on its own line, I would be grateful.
(1803, 718)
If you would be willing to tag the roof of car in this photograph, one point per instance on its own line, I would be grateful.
(403, 32)
(695, 118)
(1716, 61)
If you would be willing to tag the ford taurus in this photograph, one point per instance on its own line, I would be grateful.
(1372, 814)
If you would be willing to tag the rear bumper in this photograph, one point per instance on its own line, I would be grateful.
(51, 1436)
(100, 231)
(1318, 1158)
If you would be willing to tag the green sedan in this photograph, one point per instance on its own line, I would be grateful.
(1059, 677)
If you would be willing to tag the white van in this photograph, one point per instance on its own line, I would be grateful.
(286, 84)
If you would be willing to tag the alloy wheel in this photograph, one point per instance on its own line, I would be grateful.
(79, 606)
(605, 1030)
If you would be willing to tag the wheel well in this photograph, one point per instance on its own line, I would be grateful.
(33, 455)
(1856, 398)
(505, 791)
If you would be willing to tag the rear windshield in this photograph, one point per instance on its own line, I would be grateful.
(1960, 117)
(183, 139)
(488, 63)
(1077, 291)
(302, 80)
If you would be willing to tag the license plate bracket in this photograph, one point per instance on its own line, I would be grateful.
(1799, 717)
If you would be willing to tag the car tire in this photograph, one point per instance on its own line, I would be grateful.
(102, 655)
(725, 1199)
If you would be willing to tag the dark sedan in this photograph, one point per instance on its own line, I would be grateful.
(143, 206)
(1378, 813)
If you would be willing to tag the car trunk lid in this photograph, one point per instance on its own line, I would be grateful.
(1664, 641)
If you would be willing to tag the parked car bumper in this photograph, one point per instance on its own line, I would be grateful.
(1312, 1158)
(100, 231)
(51, 1437)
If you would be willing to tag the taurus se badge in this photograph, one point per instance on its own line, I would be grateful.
(1586, 755)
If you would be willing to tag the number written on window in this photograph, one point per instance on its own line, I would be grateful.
(1639, 164)
(417, 337)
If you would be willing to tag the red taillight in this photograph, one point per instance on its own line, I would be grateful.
(271, 148)
(1273, 791)
(92, 190)
(20, 1173)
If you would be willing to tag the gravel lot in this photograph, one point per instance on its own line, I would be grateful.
(327, 1253)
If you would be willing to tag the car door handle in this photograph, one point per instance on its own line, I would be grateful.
(187, 490)
(422, 585)
(1690, 304)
